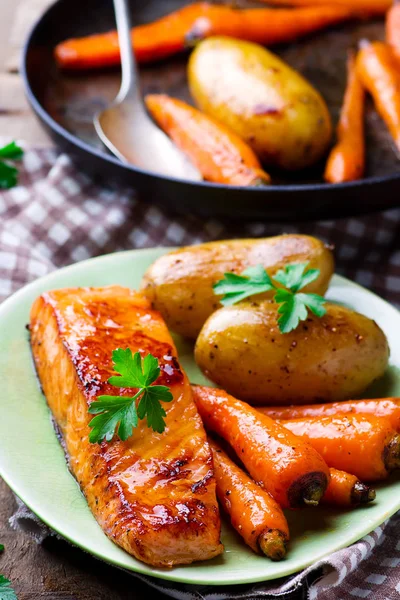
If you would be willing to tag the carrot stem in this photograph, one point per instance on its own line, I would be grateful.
(273, 544)
(392, 454)
(362, 494)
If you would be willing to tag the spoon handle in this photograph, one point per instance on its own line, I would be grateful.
(130, 78)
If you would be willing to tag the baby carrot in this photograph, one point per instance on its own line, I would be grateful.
(393, 27)
(379, 73)
(176, 31)
(219, 154)
(365, 446)
(286, 466)
(346, 161)
(255, 515)
(361, 7)
(346, 490)
(153, 41)
(383, 407)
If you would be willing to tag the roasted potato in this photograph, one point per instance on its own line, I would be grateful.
(331, 358)
(179, 284)
(268, 104)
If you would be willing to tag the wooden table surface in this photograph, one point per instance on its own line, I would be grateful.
(16, 118)
(53, 570)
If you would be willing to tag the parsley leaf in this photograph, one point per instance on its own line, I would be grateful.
(118, 414)
(8, 173)
(6, 591)
(293, 277)
(1, 547)
(8, 176)
(234, 288)
(294, 305)
(11, 151)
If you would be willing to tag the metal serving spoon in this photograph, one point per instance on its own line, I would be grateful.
(125, 127)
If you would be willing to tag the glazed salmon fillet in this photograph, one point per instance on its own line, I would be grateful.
(154, 494)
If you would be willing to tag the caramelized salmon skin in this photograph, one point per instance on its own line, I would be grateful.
(154, 494)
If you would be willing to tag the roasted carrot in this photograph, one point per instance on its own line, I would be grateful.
(255, 515)
(393, 27)
(382, 407)
(286, 466)
(379, 73)
(219, 154)
(361, 7)
(365, 446)
(347, 490)
(180, 29)
(346, 161)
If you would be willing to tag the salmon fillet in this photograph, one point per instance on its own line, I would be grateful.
(154, 494)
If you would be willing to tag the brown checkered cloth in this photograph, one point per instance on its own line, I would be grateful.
(57, 216)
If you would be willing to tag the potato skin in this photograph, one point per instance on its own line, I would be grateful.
(179, 284)
(325, 359)
(267, 103)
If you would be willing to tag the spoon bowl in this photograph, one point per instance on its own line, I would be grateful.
(125, 127)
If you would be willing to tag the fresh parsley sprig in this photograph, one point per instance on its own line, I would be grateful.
(294, 305)
(1, 547)
(8, 173)
(118, 414)
(6, 591)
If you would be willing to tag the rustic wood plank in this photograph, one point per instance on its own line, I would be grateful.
(16, 118)
(25, 16)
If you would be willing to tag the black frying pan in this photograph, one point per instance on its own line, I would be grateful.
(65, 104)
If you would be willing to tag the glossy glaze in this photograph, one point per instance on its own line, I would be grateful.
(285, 466)
(251, 509)
(379, 407)
(357, 444)
(179, 284)
(154, 494)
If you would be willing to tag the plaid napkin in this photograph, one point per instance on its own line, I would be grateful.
(57, 216)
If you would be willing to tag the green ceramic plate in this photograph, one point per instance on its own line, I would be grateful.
(33, 464)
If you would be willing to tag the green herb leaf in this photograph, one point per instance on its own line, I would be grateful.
(1, 547)
(11, 151)
(292, 311)
(150, 407)
(118, 414)
(6, 591)
(234, 288)
(8, 173)
(293, 278)
(294, 305)
(8, 176)
(314, 302)
(115, 414)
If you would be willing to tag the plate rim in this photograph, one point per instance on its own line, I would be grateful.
(83, 146)
(137, 567)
